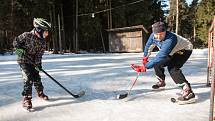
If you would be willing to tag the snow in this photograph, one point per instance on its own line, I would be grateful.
(103, 77)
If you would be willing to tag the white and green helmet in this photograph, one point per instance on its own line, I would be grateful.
(41, 23)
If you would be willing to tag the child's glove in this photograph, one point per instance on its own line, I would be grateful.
(19, 51)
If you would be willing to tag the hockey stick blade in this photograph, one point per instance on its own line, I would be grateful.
(80, 94)
(122, 96)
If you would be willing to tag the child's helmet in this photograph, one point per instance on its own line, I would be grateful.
(41, 23)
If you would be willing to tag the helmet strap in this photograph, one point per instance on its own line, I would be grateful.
(40, 32)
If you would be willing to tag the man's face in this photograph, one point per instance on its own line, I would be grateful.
(160, 36)
(45, 34)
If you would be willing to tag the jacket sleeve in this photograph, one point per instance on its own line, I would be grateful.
(148, 44)
(166, 48)
(19, 42)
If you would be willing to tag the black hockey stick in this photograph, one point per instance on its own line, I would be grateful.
(74, 95)
(122, 96)
(81, 93)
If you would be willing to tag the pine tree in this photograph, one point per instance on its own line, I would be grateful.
(171, 18)
(205, 13)
(192, 22)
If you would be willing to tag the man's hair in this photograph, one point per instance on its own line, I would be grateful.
(158, 27)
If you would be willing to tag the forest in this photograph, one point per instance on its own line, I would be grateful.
(82, 25)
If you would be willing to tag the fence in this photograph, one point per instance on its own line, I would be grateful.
(211, 67)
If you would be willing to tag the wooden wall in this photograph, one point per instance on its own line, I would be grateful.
(130, 39)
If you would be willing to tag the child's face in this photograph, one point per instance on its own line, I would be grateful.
(160, 36)
(45, 34)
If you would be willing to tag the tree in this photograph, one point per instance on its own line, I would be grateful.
(182, 16)
(95, 17)
(16, 17)
(205, 13)
(191, 31)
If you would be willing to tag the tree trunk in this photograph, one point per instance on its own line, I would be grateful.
(177, 16)
(76, 28)
(51, 20)
(55, 47)
(62, 28)
(59, 34)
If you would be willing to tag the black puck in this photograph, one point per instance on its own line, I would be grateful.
(173, 100)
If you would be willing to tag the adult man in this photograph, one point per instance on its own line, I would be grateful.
(30, 47)
(174, 51)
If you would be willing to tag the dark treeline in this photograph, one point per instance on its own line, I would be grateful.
(82, 24)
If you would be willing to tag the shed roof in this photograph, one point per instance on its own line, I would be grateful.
(128, 28)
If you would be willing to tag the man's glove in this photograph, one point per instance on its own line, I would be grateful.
(142, 68)
(145, 60)
(138, 68)
(19, 51)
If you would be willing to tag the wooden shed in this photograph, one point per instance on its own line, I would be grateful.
(127, 39)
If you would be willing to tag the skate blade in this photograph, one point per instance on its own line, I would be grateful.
(44, 99)
(158, 89)
(28, 109)
(186, 102)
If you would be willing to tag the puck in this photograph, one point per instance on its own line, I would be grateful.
(173, 100)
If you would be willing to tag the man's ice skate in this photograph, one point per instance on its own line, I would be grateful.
(27, 103)
(159, 85)
(187, 96)
(42, 95)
